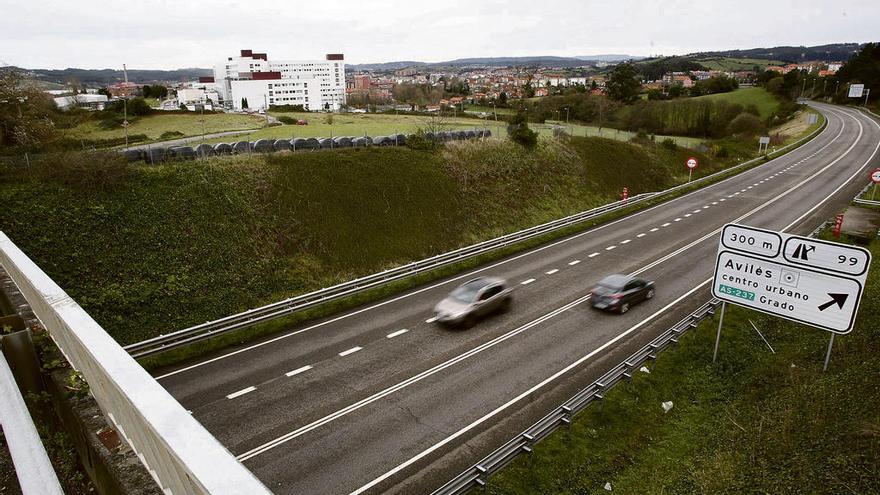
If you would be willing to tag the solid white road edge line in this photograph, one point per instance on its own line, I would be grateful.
(519, 397)
(471, 273)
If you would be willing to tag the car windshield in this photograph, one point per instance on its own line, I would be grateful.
(468, 292)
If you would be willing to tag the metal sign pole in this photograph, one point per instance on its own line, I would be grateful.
(690, 174)
(828, 355)
(718, 336)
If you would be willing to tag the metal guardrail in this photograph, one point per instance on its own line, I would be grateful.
(177, 450)
(479, 473)
(35, 473)
(262, 314)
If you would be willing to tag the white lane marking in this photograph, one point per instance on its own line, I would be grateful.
(406, 383)
(519, 397)
(527, 282)
(723, 199)
(350, 351)
(609, 248)
(395, 334)
(714, 202)
(627, 241)
(706, 207)
(241, 392)
(431, 319)
(551, 272)
(593, 255)
(736, 193)
(641, 235)
(363, 402)
(470, 273)
(742, 190)
(731, 195)
(575, 262)
(667, 224)
(688, 215)
(298, 371)
(677, 219)
(655, 229)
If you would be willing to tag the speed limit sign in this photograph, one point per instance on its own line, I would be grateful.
(875, 176)
(692, 163)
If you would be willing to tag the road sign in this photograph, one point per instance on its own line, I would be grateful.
(692, 163)
(875, 176)
(625, 194)
(764, 140)
(806, 280)
(856, 90)
(813, 118)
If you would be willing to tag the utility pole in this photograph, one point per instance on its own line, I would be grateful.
(125, 105)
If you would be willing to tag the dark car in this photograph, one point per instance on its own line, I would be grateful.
(620, 292)
(473, 300)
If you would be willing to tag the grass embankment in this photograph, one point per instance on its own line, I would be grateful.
(161, 248)
(734, 64)
(754, 422)
(158, 123)
(760, 97)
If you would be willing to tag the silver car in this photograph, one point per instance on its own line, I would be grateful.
(473, 300)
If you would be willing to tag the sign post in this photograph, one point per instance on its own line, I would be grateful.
(763, 144)
(809, 281)
(691, 165)
(875, 178)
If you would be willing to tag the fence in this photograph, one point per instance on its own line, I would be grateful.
(262, 314)
(180, 454)
(479, 473)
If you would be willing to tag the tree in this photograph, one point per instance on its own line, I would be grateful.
(623, 83)
(502, 98)
(746, 125)
(25, 111)
(863, 67)
(519, 132)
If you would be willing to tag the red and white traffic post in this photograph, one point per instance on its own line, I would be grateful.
(838, 224)
(625, 195)
(875, 178)
(691, 165)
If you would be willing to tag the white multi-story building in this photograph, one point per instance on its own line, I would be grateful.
(253, 80)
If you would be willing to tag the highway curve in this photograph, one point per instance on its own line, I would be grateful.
(377, 399)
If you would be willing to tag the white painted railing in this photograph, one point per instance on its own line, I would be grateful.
(181, 455)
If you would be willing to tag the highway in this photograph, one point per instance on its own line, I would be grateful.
(379, 399)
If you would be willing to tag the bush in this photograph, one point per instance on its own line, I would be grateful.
(82, 171)
(284, 119)
(419, 141)
(170, 135)
(519, 131)
(669, 144)
(745, 125)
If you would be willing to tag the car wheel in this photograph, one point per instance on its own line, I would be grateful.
(624, 308)
(650, 294)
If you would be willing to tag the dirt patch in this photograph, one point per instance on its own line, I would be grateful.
(794, 127)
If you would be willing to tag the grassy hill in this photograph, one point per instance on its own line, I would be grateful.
(735, 64)
(148, 249)
(766, 103)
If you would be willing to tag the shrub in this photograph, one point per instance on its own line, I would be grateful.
(519, 131)
(284, 119)
(83, 171)
(170, 135)
(745, 124)
(669, 144)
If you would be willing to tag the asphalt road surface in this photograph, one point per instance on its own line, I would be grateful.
(379, 399)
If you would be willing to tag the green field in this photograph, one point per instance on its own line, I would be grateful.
(488, 110)
(547, 128)
(754, 422)
(154, 125)
(182, 243)
(766, 103)
(735, 64)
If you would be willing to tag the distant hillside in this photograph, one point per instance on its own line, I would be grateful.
(103, 77)
(538, 61)
(836, 52)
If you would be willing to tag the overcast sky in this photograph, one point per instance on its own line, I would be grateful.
(152, 34)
